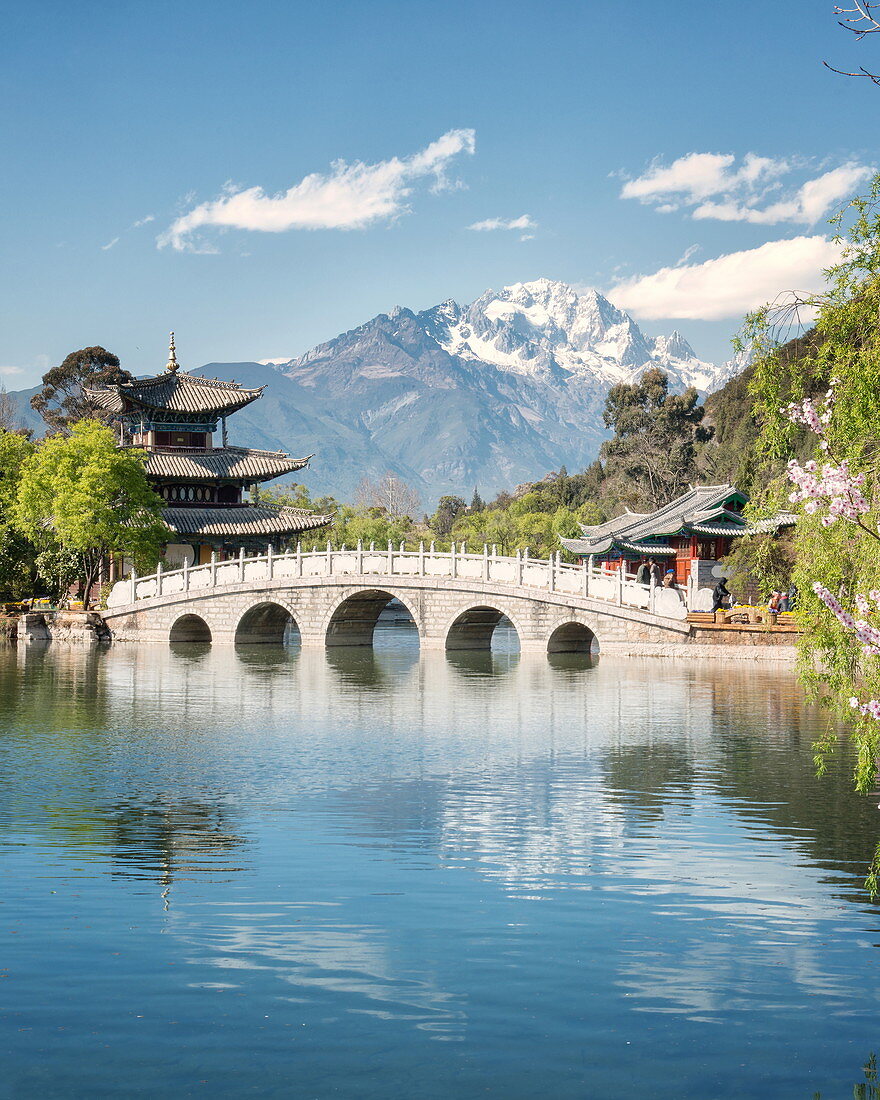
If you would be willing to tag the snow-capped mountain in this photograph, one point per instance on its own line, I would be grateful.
(493, 393)
(489, 395)
(543, 327)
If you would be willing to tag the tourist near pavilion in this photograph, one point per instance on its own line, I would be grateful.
(173, 417)
(689, 535)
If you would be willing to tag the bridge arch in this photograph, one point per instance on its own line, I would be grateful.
(353, 620)
(266, 623)
(189, 628)
(472, 627)
(572, 637)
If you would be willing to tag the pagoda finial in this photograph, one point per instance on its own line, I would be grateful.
(172, 363)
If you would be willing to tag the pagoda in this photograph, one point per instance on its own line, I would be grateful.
(174, 417)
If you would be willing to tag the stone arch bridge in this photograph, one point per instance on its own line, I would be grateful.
(456, 599)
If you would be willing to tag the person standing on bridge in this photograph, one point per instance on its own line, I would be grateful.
(643, 573)
(654, 570)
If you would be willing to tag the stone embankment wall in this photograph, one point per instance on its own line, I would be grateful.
(79, 627)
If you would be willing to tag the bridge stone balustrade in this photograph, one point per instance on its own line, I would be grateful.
(335, 596)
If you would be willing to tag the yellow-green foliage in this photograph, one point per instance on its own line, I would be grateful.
(844, 558)
(88, 497)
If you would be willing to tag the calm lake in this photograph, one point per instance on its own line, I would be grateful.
(380, 874)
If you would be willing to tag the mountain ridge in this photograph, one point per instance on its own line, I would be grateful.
(454, 397)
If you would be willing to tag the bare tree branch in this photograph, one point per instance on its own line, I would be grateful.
(854, 17)
(389, 493)
(860, 20)
(874, 77)
(8, 411)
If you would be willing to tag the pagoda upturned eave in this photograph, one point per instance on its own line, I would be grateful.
(242, 521)
(173, 393)
(233, 464)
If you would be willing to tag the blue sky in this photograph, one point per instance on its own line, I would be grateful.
(261, 177)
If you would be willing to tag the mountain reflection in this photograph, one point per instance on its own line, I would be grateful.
(339, 811)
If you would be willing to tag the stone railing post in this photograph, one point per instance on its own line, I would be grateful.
(402, 547)
(390, 557)
(620, 584)
(519, 568)
(360, 556)
(652, 594)
(329, 558)
(551, 572)
(421, 559)
(485, 562)
(270, 562)
(213, 568)
(299, 559)
(241, 565)
(453, 571)
(159, 579)
(585, 580)
(186, 574)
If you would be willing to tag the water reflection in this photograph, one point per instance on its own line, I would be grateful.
(402, 844)
(481, 663)
(167, 841)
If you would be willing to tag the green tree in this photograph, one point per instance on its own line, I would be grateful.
(17, 553)
(652, 457)
(448, 510)
(90, 498)
(477, 502)
(842, 557)
(63, 399)
(759, 565)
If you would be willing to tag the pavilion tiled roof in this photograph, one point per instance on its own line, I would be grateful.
(702, 504)
(701, 511)
(176, 392)
(242, 520)
(224, 464)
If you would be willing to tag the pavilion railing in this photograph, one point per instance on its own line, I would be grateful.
(521, 571)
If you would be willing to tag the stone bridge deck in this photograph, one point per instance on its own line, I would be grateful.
(335, 596)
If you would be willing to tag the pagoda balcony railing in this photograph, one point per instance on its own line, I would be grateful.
(168, 447)
(520, 571)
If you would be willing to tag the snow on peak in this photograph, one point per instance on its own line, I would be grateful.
(546, 327)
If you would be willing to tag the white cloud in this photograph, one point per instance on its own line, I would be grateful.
(810, 203)
(731, 285)
(106, 247)
(715, 187)
(490, 224)
(688, 254)
(350, 196)
(699, 175)
(11, 370)
(143, 221)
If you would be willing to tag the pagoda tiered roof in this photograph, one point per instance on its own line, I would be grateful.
(243, 464)
(174, 392)
(242, 520)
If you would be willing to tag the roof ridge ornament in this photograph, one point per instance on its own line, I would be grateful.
(172, 364)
